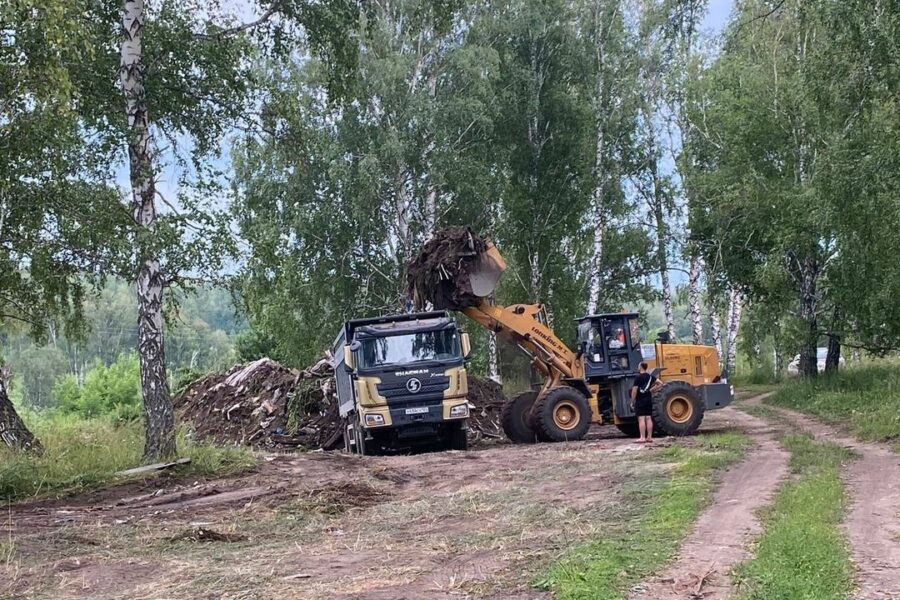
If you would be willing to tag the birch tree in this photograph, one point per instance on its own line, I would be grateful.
(215, 55)
(613, 101)
(61, 226)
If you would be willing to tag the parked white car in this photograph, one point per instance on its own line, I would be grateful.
(793, 368)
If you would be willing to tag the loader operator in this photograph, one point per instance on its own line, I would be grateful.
(642, 402)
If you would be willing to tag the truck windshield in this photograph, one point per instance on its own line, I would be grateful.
(409, 348)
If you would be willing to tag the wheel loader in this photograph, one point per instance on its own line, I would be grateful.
(590, 384)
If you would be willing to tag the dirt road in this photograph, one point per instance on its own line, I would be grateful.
(724, 532)
(329, 526)
(872, 524)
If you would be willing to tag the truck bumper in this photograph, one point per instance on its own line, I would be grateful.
(717, 395)
(424, 420)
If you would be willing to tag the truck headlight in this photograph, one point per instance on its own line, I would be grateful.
(460, 410)
(374, 419)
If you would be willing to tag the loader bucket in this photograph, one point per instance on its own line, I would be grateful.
(485, 273)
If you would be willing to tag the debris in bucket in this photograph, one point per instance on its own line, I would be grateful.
(267, 405)
(440, 273)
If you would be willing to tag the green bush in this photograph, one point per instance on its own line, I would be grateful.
(113, 391)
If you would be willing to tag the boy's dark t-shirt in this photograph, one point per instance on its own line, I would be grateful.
(643, 382)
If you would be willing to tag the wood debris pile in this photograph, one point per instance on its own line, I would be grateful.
(484, 420)
(265, 404)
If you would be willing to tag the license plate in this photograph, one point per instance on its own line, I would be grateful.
(419, 410)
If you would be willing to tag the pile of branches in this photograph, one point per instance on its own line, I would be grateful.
(265, 404)
(486, 396)
(439, 273)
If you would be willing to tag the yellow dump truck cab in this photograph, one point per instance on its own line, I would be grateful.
(401, 382)
(611, 350)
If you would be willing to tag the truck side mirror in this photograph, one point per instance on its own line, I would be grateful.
(348, 357)
(466, 345)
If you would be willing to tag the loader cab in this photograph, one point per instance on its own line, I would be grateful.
(610, 344)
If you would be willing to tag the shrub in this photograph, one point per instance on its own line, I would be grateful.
(113, 391)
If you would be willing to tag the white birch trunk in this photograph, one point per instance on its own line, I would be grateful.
(598, 217)
(534, 264)
(430, 212)
(735, 309)
(715, 328)
(667, 300)
(493, 358)
(694, 299)
(159, 417)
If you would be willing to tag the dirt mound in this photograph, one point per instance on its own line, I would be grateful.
(484, 421)
(440, 272)
(265, 404)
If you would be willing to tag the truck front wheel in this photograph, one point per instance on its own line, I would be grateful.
(458, 438)
(358, 434)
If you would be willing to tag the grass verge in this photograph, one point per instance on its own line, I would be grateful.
(866, 400)
(81, 454)
(802, 554)
(654, 522)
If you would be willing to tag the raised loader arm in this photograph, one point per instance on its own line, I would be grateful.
(524, 325)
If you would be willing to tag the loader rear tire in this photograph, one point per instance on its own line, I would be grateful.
(516, 418)
(677, 409)
(562, 415)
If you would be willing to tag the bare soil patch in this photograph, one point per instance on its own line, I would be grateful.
(325, 525)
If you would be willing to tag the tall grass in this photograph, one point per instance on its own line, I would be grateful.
(866, 400)
(82, 453)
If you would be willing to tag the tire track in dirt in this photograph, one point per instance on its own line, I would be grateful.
(872, 521)
(723, 533)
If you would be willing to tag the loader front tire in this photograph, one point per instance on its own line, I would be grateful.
(562, 415)
(516, 418)
(677, 409)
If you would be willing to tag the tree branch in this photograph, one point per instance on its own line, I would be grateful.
(220, 35)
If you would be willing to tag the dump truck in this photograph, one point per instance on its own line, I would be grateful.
(401, 383)
(458, 270)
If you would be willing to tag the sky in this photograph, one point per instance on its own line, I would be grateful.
(717, 15)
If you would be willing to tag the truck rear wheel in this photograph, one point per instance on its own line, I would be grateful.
(563, 414)
(677, 409)
(516, 418)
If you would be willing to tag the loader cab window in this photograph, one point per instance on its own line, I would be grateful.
(616, 342)
(590, 338)
(635, 332)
